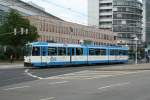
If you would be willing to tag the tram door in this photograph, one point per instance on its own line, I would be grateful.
(44, 53)
(69, 53)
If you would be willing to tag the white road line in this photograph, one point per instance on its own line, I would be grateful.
(130, 73)
(50, 98)
(113, 85)
(86, 74)
(52, 83)
(34, 76)
(13, 88)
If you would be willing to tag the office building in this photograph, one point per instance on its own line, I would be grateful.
(123, 17)
(146, 21)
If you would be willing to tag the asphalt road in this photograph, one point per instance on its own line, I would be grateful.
(60, 70)
(13, 76)
(78, 84)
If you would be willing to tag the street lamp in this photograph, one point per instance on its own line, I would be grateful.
(136, 39)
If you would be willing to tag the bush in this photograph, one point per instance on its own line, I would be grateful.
(3, 56)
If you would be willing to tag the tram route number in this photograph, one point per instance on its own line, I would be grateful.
(52, 58)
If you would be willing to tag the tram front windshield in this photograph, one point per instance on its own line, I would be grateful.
(27, 50)
(36, 51)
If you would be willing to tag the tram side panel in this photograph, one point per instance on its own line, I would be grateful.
(66, 55)
(117, 55)
(113, 55)
(36, 58)
(79, 55)
(97, 55)
(58, 56)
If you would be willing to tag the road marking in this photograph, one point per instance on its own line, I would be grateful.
(81, 75)
(89, 74)
(113, 85)
(52, 83)
(48, 98)
(130, 73)
(34, 76)
(17, 88)
(85, 74)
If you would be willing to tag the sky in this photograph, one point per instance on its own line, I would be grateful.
(69, 10)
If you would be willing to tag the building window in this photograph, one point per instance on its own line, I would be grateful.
(119, 15)
(71, 29)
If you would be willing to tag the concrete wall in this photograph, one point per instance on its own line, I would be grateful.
(93, 12)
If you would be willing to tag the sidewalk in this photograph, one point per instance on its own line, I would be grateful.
(8, 65)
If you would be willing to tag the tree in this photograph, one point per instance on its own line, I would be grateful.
(15, 20)
(7, 37)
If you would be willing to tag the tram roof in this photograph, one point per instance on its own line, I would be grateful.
(75, 45)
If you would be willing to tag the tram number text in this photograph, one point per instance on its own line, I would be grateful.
(52, 58)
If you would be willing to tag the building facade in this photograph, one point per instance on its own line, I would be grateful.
(105, 14)
(25, 9)
(146, 21)
(53, 30)
(127, 20)
(121, 16)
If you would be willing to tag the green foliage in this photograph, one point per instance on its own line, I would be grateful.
(16, 42)
(15, 20)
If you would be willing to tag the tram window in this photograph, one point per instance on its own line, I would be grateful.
(91, 51)
(79, 51)
(61, 51)
(68, 53)
(112, 52)
(103, 51)
(120, 52)
(97, 52)
(125, 52)
(52, 51)
(36, 51)
(116, 52)
(73, 51)
(44, 51)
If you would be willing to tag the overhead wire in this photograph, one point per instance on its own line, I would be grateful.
(57, 5)
(71, 10)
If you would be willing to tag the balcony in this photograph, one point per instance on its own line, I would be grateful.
(105, 13)
(106, 26)
(105, 20)
(105, 7)
(105, 1)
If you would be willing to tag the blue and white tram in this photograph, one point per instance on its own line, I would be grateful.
(44, 54)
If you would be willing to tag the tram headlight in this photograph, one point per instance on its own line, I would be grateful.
(29, 60)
